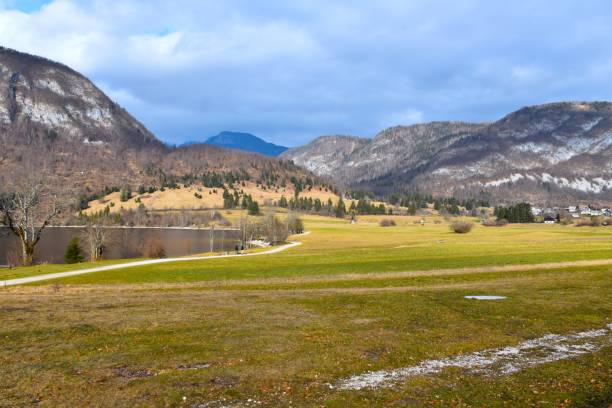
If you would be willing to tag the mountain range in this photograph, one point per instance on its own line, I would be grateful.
(242, 141)
(556, 152)
(53, 120)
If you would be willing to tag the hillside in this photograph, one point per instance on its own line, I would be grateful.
(554, 153)
(55, 121)
(243, 141)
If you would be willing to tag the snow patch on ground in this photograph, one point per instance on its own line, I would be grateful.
(485, 297)
(499, 361)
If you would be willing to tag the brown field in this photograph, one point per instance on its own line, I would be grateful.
(184, 198)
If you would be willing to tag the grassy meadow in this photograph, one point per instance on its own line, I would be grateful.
(284, 329)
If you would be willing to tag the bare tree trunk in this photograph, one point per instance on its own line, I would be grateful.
(27, 214)
(27, 257)
(211, 231)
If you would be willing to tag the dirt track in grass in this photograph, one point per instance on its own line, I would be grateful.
(201, 290)
(237, 283)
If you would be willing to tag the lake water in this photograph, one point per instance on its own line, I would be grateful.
(125, 242)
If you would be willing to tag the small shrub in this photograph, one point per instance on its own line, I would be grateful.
(295, 224)
(387, 223)
(156, 249)
(593, 222)
(495, 223)
(73, 254)
(461, 227)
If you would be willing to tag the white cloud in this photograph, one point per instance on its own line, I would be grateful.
(289, 69)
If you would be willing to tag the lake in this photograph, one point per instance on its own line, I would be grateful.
(126, 242)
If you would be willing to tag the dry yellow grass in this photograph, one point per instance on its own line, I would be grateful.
(184, 198)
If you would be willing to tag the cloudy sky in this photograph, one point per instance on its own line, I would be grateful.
(293, 70)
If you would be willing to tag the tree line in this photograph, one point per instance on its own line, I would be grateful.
(519, 213)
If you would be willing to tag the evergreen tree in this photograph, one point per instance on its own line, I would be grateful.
(253, 208)
(73, 254)
(283, 202)
(126, 193)
(340, 208)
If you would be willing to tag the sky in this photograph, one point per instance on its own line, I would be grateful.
(290, 71)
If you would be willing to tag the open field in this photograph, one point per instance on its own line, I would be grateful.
(290, 329)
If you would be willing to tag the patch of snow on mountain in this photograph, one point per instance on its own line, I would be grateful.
(596, 185)
(318, 164)
(531, 147)
(513, 178)
(603, 144)
(442, 170)
(98, 143)
(590, 125)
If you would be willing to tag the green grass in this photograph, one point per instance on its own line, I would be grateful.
(43, 269)
(277, 347)
(339, 248)
(289, 325)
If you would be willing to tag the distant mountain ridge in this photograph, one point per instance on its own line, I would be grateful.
(552, 153)
(242, 141)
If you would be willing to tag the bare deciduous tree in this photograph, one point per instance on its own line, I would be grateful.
(26, 211)
(97, 236)
(275, 230)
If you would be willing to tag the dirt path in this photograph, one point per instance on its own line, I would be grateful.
(38, 278)
(405, 274)
(229, 286)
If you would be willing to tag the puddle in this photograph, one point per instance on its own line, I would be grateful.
(485, 297)
(500, 361)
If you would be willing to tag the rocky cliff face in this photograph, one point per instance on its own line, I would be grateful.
(327, 154)
(545, 153)
(52, 96)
